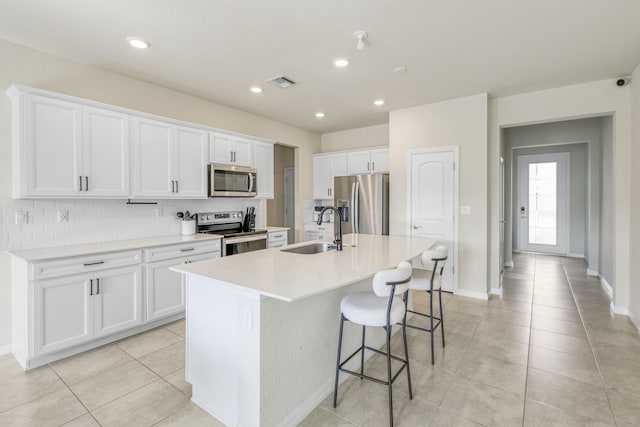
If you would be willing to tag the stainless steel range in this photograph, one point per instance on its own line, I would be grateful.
(229, 225)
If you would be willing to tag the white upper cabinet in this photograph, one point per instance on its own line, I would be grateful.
(325, 168)
(380, 160)
(169, 161)
(368, 161)
(230, 150)
(190, 167)
(65, 149)
(263, 163)
(105, 153)
(51, 150)
(152, 158)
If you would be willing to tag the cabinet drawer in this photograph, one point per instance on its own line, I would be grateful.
(84, 264)
(181, 250)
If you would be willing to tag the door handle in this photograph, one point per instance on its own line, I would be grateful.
(415, 227)
(86, 183)
(91, 287)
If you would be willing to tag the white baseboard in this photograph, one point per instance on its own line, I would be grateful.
(508, 264)
(5, 349)
(591, 272)
(495, 291)
(606, 285)
(619, 310)
(635, 320)
(471, 294)
(570, 255)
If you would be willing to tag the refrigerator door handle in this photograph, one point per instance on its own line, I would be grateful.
(356, 208)
(353, 207)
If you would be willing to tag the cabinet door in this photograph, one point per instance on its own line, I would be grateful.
(221, 148)
(152, 154)
(322, 176)
(338, 168)
(165, 292)
(62, 313)
(52, 147)
(243, 152)
(117, 300)
(380, 160)
(263, 162)
(105, 153)
(358, 162)
(191, 163)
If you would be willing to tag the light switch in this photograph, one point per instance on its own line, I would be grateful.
(465, 210)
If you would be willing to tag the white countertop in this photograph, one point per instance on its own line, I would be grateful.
(290, 277)
(118, 245)
(272, 229)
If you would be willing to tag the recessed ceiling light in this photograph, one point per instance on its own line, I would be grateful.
(379, 102)
(340, 62)
(319, 115)
(256, 89)
(138, 43)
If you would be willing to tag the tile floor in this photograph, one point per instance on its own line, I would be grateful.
(548, 352)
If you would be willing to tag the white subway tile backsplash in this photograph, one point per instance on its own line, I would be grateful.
(93, 221)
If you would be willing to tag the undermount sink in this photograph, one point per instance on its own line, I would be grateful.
(312, 248)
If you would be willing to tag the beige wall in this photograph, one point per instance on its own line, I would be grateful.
(634, 294)
(569, 102)
(371, 136)
(459, 122)
(37, 69)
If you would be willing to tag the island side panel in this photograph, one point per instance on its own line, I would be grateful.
(214, 360)
(298, 353)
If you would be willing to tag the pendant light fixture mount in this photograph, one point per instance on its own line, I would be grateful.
(361, 37)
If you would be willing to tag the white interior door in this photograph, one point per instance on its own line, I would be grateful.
(543, 203)
(433, 200)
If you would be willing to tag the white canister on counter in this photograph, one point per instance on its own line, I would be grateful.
(188, 227)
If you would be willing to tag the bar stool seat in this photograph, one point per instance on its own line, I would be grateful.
(381, 308)
(366, 308)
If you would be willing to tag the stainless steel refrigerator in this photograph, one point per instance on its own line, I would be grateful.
(366, 198)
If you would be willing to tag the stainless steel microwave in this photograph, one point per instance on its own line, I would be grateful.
(232, 181)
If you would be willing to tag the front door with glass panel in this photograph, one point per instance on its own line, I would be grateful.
(542, 213)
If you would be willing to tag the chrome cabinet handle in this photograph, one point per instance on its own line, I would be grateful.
(86, 183)
(368, 166)
(80, 181)
(187, 249)
(415, 227)
(91, 287)
(98, 286)
(177, 186)
(93, 263)
(373, 166)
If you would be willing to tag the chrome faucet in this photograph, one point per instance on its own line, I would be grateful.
(338, 237)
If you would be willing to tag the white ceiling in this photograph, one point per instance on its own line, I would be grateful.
(216, 49)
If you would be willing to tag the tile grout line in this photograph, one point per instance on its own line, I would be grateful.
(77, 398)
(593, 353)
(526, 380)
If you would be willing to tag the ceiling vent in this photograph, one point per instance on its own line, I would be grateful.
(282, 82)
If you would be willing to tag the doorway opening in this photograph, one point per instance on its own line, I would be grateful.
(281, 209)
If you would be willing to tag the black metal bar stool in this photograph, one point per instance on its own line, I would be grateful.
(383, 309)
(429, 279)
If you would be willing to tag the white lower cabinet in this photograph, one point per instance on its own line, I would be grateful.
(76, 309)
(278, 238)
(317, 232)
(164, 288)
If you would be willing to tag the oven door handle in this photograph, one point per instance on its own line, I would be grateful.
(235, 240)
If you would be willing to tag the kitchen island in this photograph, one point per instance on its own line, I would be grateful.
(262, 327)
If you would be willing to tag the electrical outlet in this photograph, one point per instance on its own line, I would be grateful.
(63, 215)
(22, 217)
(159, 212)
